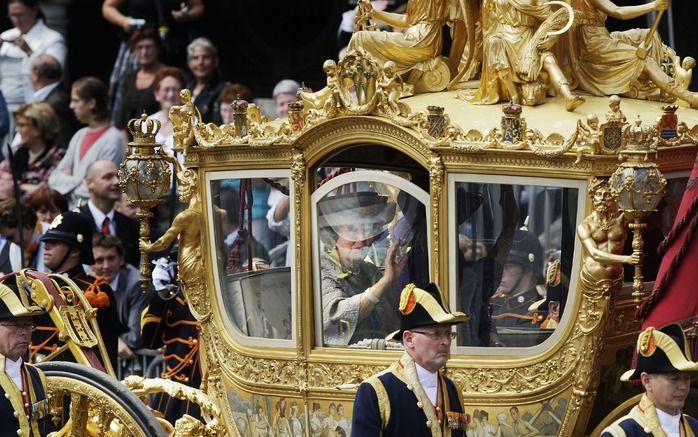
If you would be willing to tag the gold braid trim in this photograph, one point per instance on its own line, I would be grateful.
(645, 414)
(383, 401)
(406, 371)
(11, 389)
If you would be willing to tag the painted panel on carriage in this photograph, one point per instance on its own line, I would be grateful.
(536, 420)
(257, 415)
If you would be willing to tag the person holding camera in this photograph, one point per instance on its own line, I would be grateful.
(172, 18)
(29, 38)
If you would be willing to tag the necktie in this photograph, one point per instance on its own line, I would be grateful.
(105, 226)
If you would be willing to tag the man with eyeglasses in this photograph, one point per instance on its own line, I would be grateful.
(23, 403)
(412, 397)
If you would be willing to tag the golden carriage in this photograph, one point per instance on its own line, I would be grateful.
(275, 365)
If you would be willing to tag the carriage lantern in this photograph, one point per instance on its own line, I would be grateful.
(145, 177)
(639, 186)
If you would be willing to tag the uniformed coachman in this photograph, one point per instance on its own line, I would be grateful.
(23, 402)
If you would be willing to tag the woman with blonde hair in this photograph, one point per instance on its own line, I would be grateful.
(38, 154)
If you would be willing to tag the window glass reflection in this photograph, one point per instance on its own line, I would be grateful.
(372, 242)
(515, 247)
(251, 228)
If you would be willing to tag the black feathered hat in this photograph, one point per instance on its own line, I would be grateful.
(423, 307)
(662, 350)
(16, 301)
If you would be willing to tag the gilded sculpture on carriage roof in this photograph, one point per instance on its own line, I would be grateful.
(374, 79)
(518, 43)
(358, 85)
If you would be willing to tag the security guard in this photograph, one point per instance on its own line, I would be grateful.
(517, 289)
(67, 246)
(23, 402)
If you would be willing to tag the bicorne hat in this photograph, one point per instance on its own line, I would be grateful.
(74, 229)
(15, 300)
(423, 307)
(662, 350)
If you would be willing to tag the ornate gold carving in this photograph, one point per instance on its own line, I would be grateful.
(186, 426)
(436, 183)
(187, 226)
(298, 171)
(92, 411)
(184, 119)
(331, 375)
(359, 86)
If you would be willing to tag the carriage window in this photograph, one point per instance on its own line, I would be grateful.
(371, 235)
(251, 228)
(515, 245)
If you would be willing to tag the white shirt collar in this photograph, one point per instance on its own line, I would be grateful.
(41, 94)
(115, 283)
(99, 215)
(670, 424)
(13, 369)
(429, 381)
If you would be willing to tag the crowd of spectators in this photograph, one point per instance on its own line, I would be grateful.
(65, 137)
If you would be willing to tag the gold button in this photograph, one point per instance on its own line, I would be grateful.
(419, 404)
(19, 432)
(409, 387)
(428, 423)
(15, 414)
(7, 396)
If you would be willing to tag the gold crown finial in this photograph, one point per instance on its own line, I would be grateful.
(435, 110)
(143, 130)
(512, 109)
(670, 109)
(239, 106)
(640, 138)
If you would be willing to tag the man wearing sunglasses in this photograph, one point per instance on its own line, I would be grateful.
(412, 397)
(23, 404)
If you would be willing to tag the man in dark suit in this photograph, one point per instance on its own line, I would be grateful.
(412, 397)
(125, 281)
(45, 73)
(102, 182)
(23, 401)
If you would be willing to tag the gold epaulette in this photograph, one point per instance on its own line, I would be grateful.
(383, 400)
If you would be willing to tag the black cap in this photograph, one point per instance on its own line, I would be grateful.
(526, 251)
(74, 229)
